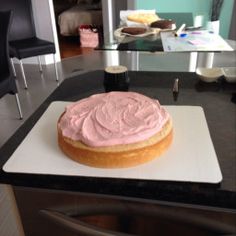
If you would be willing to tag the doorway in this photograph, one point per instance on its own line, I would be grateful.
(69, 16)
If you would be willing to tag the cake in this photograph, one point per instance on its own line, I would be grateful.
(134, 30)
(114, 130)
(143, 18)
(163, 24)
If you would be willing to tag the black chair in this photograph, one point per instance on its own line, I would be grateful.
(7, 81)
(23, 41)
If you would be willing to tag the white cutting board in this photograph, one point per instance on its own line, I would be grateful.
(191, 157)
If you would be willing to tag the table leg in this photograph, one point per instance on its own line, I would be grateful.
(209, 59)
(135, 60)
(193, 61)
(111, 58)
(108, 20)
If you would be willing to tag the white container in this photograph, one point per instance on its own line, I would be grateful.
(229, 74)
(198, 21)
(209, 74)
(213, 26)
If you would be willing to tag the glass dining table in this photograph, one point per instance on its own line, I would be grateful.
(157, 42)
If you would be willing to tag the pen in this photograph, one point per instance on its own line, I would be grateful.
(176, 89)
(178, 32)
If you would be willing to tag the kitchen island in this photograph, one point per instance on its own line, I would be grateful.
(218, 103)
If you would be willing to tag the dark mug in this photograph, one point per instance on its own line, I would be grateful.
(116, 78)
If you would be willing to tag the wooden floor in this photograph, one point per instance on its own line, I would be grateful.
(70, 47)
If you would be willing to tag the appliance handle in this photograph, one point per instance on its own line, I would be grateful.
(68, 218)
(79, 226)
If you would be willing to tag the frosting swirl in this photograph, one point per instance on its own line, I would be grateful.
(113, 118)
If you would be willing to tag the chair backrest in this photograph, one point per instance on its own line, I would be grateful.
(179, 17)
(22, 20)
(5, 20)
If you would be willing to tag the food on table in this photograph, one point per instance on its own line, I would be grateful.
(114, 130)
(163, 24)
(144, 18)
(134, 30)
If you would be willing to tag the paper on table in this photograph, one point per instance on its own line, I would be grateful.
(194, 41)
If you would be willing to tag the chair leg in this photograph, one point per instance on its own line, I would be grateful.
(19, 106)
(13, 67)
(55, 65)
(40, 64)
(23, 74)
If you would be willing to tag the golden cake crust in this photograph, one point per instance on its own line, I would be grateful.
(144, 18)
(117, 156)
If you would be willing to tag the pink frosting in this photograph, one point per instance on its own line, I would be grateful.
(113, 118)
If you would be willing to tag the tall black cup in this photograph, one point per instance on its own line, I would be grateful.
(116, 78)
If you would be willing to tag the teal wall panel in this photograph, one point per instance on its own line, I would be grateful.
(225, 17)
(196, 7)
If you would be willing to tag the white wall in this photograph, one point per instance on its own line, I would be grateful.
(45, 28)
(232, 33)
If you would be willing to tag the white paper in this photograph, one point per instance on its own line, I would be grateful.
(194, 41)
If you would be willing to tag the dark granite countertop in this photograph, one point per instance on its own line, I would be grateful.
(220, 110)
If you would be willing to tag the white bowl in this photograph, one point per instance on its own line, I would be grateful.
(229, 73)
(209, 74)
